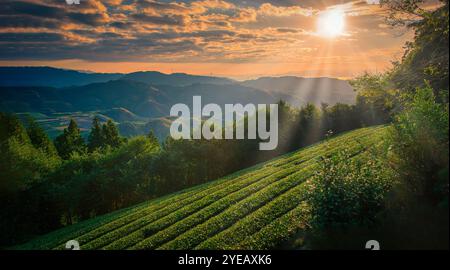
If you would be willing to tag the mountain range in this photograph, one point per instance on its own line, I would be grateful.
(55, 77)
(140, 100)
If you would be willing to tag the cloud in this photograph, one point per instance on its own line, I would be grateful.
(288, 30)
(174, 30)
(30, 8)
(160, 20)
(30, 37)
(21, 21)
(268, 9)
(113, 2)
(156, 7)
(92, 13)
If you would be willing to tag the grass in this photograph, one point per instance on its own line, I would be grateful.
(256, 208)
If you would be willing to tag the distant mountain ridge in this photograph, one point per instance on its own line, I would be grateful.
(51, 77)
(139, 98)
(175, 79)
(296, 90)
(299, 91)
(148, 93)
(55, 77)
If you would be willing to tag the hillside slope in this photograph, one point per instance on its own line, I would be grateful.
(257, 208)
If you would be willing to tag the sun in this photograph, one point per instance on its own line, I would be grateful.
(331, 23)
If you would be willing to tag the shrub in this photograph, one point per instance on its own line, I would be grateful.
(347, 192)
(23, 164)
(420, 146)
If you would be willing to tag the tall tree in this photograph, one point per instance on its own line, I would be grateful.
(309, 125)
(70, 141)
(153, 139)
(111, 134)
(96, 138)
(39, 138)
(10, 126)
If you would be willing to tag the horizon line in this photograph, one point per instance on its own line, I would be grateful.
(235, 78)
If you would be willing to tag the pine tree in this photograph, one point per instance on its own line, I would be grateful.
(11, 126)
(111, 134)
(153, 139)
(70, 141)
(96, 139)
(39, 138)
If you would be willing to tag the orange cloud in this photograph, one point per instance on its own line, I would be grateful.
(268, 9)
(202, 36)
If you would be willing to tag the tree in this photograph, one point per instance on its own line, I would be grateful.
(420, 140)
(23, 161)
(70, 141)
(96, 139)
(153, 139)
(377, 98)
(426, 58)
(342, 117)
(10, 126)
(309, 125)
(111, 134)
(39, 138)
(287, 126)
(404, 12)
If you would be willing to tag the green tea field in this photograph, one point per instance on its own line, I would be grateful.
(257, 208)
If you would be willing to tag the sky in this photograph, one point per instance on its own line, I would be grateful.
(238, 39)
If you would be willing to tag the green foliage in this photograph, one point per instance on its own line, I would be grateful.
(39, 138)
(419, 140)
(104, 136)
(404, 12)
(111, 134)
(426, 59)
(95, 139)
(10, 126)
(70, 142)
(153, 139)
(309, 119)
(382, 96)
(299, 127)
(340, 118)
(90, 184)
(378, 99)
(24, 161)
(232, 212)
(22, 165)
(347, 192)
